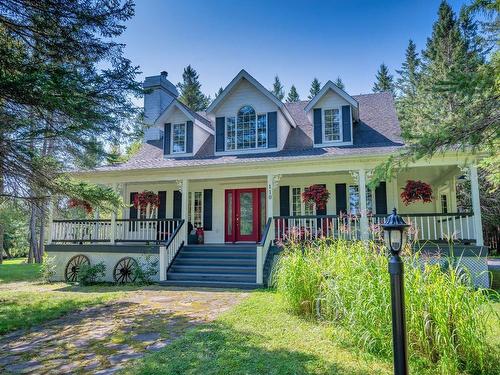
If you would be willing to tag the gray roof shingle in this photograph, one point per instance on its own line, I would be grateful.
(377, 132)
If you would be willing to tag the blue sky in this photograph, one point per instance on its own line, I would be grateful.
(298, 40)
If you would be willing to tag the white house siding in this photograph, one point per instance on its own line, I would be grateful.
(283, 130)
(329, 100)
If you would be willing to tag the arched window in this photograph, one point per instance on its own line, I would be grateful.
(246, 130)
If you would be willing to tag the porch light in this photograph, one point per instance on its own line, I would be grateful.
(395, 232)
(395, 237)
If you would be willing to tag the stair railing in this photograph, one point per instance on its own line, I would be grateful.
(169, 251)
(263, 248)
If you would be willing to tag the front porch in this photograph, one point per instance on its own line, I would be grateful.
(267, 210)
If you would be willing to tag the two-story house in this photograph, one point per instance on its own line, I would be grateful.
(239, 170)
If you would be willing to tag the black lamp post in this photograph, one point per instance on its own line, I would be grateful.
(395, 237)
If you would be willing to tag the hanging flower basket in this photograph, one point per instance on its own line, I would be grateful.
(142, 200)
(416, 191)
(317, 194)
(79, 203)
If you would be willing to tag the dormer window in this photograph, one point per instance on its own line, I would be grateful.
(332, 129)
(246, 130)
(179, 138)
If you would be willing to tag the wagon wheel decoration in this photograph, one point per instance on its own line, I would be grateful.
(73, 267)
(124, 270)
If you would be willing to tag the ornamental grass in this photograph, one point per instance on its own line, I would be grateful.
(347, 285)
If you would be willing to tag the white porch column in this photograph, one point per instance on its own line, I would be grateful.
(112, 234)
(362, 205)
(185, 209)
(270, 195)
(476, 205)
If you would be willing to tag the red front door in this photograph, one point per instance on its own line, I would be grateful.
(245, 213)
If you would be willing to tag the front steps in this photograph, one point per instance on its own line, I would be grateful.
(215, 266)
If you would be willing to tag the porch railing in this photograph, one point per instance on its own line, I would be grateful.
(124, 230)
(171, 249)
(262, 249)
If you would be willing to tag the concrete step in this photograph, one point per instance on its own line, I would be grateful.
(215, 261)
(211, 284)
(218, 269)
(216, 254)
(235, 277)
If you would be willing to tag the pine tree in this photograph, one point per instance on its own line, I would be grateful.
(407, 81)
(315, 88)
(339, 83)
(190, 90)
(219, 92)
(278, 89)
(384, 80)
(293, 95)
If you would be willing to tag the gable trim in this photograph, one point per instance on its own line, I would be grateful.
(331, 86)
(175, 104)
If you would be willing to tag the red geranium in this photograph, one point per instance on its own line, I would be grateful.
(142, 200)
(79, 203)
(415, 191)
(317, 194)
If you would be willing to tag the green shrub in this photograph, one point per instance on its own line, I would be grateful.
(88, 274)
(145, 270)
(446, 318)
(47, 269)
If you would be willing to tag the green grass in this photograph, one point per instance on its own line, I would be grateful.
(260, 336)
(13, 270)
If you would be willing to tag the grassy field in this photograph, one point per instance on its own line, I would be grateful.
(18, 270)
(260, 336)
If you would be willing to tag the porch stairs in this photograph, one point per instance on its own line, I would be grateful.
(216, 266)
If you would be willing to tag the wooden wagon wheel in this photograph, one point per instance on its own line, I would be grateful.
(73, 267)
(124, 270)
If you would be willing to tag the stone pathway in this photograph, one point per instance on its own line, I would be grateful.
(102, 339)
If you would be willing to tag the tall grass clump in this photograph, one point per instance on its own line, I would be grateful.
(447, 320)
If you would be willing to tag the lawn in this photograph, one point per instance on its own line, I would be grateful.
(18, 270)
(260, 336)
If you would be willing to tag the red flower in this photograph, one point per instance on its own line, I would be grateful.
(142, 200)
(317, 194)
(79, 203)
(415, 191)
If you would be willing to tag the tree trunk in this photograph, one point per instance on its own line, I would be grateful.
(33, 237)
(41, 245)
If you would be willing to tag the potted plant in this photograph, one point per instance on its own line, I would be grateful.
(316, 194)
(146, 198)
(80, 203)
(416, 191)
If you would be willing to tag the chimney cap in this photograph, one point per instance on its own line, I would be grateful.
(164, 73)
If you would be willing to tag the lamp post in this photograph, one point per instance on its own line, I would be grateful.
(395, 237)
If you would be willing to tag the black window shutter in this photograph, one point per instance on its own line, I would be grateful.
(207, 209)
(346, 123)
(284, 200)
(318, 131)
(189, 137)
(341, 198)
(132, 212)
(166, 139)
(272, 129)
(162, 209)
(177, 205)
(381, 199)
(321, 211)
(220, 124)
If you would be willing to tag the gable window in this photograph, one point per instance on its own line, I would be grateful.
(331, 121)
(179, 138)
(246, 130)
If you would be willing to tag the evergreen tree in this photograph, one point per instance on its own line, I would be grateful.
(219, 92)
(315, 88)
(384, 80)
(407, 81)
(339, 83)
(293, 95)
(190, 90)
(278, 89)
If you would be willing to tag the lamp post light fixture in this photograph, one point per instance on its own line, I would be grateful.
(395, 232)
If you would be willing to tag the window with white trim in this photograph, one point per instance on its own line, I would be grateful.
(179, 138)
(246, 130)
(195, 208)
(354, 200)
(298, 206)
(331, 125)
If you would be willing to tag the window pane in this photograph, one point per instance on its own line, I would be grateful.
(179, 138)
(230, 133)
(354, 199)
(296, 202)
(197, 209)
(332, 125)
(262, 131)
(369, 200)
(190, 203)
(245, 130)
